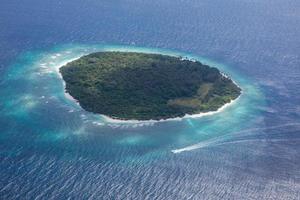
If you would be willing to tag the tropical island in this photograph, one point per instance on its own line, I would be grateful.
(144, 86)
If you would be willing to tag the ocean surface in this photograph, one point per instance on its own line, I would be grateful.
(50, 148)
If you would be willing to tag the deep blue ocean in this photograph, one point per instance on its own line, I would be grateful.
(50, 148)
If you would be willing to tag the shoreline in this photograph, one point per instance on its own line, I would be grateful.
(108, 119)
(66, 94)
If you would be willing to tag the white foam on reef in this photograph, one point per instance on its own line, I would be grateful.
(97, 123)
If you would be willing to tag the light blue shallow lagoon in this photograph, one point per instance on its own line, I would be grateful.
(50, 148)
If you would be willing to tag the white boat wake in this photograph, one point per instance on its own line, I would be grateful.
(220, 140)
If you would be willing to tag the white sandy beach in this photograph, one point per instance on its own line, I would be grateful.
(67, 95)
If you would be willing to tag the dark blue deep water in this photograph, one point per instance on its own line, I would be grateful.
(52, 149)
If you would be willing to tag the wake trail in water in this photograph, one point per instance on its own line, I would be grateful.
(255, 140)
(218, 140)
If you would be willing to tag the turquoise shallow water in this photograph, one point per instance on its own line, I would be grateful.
(34, 97)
